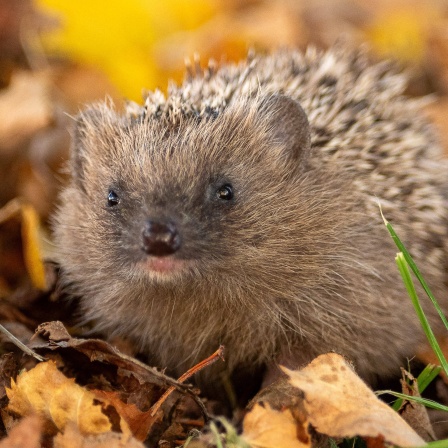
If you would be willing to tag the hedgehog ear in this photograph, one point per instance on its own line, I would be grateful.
(288, 125)
(85, 139)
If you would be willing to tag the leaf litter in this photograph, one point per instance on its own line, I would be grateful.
(50, 403)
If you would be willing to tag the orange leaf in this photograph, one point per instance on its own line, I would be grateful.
(31, 246)
(139, 422)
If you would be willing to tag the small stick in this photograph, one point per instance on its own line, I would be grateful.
(20, 344)
(200, 404)
(206, 362)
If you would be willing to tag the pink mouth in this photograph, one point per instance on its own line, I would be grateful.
(164, 265)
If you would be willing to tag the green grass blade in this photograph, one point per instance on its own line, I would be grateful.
(424, 401)
(437, 444)
(426, 377)
(216, 435)
(406, 275)
(414, 268)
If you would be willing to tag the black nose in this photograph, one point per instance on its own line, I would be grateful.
(160, 238)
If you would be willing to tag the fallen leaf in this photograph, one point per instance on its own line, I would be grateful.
(31, 239)
(139, 422)
(415, 413)
(8, 370)
(25, 108)
(131, 388)
(27, 433)
(73, 438)
(339, 404)
(55, 331)
(31, 236)
(45, 391)
(263, 427)
(123, 35)
(99, 350)
(402, 32)
(13, 37)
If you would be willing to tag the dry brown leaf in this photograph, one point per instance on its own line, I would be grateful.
(339, 404)
(72, 438)
(102, 351)
(139, 422)
(25, 434)
(55, 331)
(415, 413)
(263, 427)
(57, 399)
(25, 108)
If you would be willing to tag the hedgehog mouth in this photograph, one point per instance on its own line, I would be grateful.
(164, 267)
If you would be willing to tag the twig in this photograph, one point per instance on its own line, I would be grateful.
(20, 344)
(206, 362)
(201, 405)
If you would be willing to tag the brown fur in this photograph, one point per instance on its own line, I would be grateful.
(299, 262)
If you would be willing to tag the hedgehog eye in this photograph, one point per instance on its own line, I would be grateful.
(112, 198)
(225, 192)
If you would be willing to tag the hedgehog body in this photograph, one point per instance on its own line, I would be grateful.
(241, 209)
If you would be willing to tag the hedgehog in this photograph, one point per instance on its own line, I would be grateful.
(241, 208)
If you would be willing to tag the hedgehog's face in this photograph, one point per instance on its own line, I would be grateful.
(189, 199)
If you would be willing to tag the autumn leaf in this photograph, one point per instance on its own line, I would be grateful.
(402, 31)
(264, 427)
(46, 392)
(73, 438)
(25, 108)
(31, 246)
(339, 404)
(27, 434)
(119, 36)
(31, 238)
(139, 422)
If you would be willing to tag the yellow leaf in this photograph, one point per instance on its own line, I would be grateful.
(264, 427)
(45, 391)
(119, 36)
(402, 32)
(31, 246)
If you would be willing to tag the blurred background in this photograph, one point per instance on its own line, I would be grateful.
(57, 55)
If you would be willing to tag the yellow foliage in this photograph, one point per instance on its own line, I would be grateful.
(119, 36)
(264, 427)
(46, 392)
(31, 246)
(402, 32)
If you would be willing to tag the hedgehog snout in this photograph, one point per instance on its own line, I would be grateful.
(160, 237)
